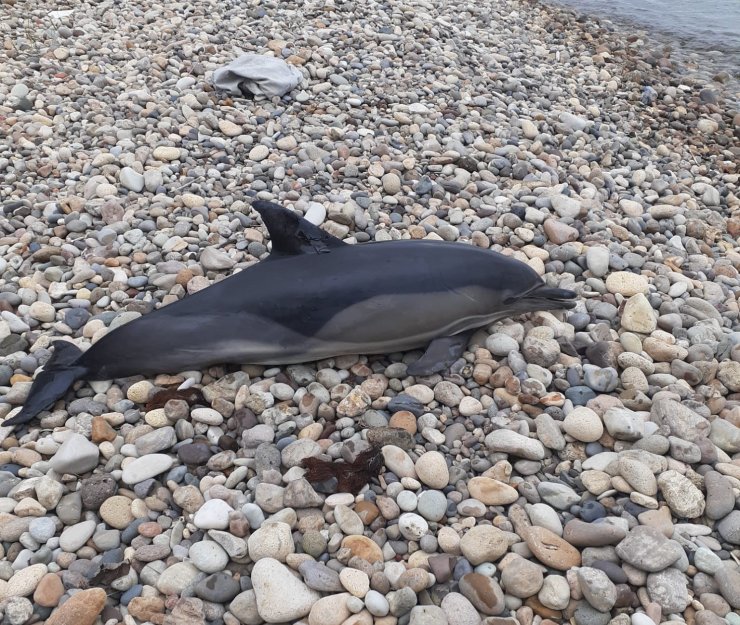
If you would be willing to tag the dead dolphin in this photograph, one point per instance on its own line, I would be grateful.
(314, 297)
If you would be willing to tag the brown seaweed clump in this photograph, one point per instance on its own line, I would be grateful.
(350, 476)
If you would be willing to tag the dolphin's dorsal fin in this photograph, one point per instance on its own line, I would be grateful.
(291, 235)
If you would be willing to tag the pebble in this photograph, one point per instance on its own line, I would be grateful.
(431, 468)
(280, 595)
(213, 514)
(272, 540)
(146, 467)
(583, 424)
(492, 492)
(74, 536)
(131, 179)
(597, 588)
(626, 283)
(638, 315)
(483, 592)
(356, 582)
(459, 610)
(23, 582)
(483, 543)
(75, 456)
(521, 578)
(208, 556)
(376, 603)
(177, 577)
(510, 442)
(684, 499)
(412, 526)
(82, 608)
(647, 549)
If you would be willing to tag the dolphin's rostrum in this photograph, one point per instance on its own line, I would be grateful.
(314, 297)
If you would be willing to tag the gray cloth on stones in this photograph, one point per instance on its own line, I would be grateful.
(257, 75)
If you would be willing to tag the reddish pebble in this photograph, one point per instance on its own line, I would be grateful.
(150, 529)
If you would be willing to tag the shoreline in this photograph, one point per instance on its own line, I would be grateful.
(685, 49)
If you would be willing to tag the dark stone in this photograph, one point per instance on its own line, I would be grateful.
(220, 587)
(194, 454)
(613, 571)
(406, 402)
(75, 318)
(592, 510)
(96, 489)
(11, 344)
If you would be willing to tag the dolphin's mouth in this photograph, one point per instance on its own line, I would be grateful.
(544, 297)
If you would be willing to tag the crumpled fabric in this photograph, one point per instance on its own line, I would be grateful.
(254, 74)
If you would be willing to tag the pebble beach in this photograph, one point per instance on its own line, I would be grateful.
(574, 467)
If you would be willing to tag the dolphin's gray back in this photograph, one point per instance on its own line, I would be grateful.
(354, 299)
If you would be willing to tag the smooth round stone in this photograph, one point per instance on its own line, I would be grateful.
(555, 592)
(729, 527)
(492, 492)
(592, 510)
(131, 179)
(407, 501)
(483, 543)
(431, 469)
(313, 543)
(24, 582)
(207, 415)
(601, 379)
(213, 514)
(459, 610)
(398, 461)
(166, 153)
(208, 556)
(583, 424)
(470, 406)
(501, 344)
(626, 283)
(18, 610)
(177, 578)
(220, 587)
(391, 183)
(580, 395)
(432, 505)
(259, 153)
(684, 499)
(356, 582)
(376, 603)
(707, 561)
(116, 512)
(412, 526)
(638, 315)
(542, 515)
(146, 467)
(42, 529)
(597, 260)
(41, 311)
(522, 578)
(559, 496)
(75, 536)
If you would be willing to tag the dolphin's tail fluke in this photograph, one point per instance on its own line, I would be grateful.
(57, 377)
(543, 297)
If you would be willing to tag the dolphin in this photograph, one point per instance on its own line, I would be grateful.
(314, 297)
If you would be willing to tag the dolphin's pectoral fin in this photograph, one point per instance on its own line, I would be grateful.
(440, 354)
(291, 235)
